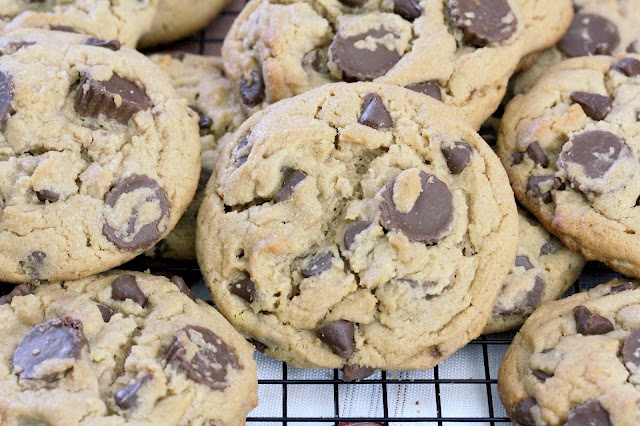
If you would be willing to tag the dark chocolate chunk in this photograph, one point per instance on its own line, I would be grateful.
(106, 312)
(338, 335)
(429, 88)
(208, 366)
(126, 287)
(317, 266)
(289, 184)
(407, 9)
(34, 263)
(6, 97)
(534, 186)
(517, 158)
(483, 22)
(595, 151)
(523, 261)
(132, 235)
(628, 66)
(590, 413)
(631, 348)
(589, 34)
(431, 217)
(374, 113)
(252, 91)
(353, 3)
(537, 154)
(241, 150)
(117, 98)
(534, 296)
(522, 413)
(588, 323)
(205, 121)
(245, 289)
(46, 195)
(107, 44)
(17, 291)
(363, 64)
(127, 397)
(541, 375)
(550, 247)
(353, 372)
(457, 157)
(352, 230)
(60, 338)
(621, 288)
(595, 106)
(182, 286)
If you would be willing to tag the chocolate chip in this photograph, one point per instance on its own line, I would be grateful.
(252, 92)
(523, 261)
(245, 289)
(407, 9)
(550, 247)
(317, 266)
(541, 375)
(46, 195)
(127, 397)
(98, 42)
(534, 186)
(429, 88)
(34, 263)
(628, 66)
(208, 365)
(595, 106)
(17, 291)
(117, 98)
(537, 154)
(56, 339)
(595, 151)
(132, 235)
(182, 286)
(590, 413)
(353, 3)
(457, 157)
(363, 64)
(352, 230)
(126, 287)
(106, 312)
(241, 150)
(338, 335)
(588, 323)
(205, 121)
(483, 21)
(431, 217)
(353, 372)
(621, 288)
(489, 134)
(374, 113)
(522, 413)
(293, 178)
(534, 296)
(6, 96)
(63, 28)
(588, 35)
(517, 158)
(631, 348)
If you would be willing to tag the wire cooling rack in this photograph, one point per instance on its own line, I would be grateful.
(462, 389)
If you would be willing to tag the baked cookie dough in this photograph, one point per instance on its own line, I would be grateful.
(459, 51)
(100, 158)
(122, 347)
(576, 361)
(570, 147)
(357, 224)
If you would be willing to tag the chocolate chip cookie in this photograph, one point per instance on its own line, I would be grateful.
(202, 82)
(122, 347)
(459, 51)
(576, 361)
(570, 148)
(99, 156)
(358, 225)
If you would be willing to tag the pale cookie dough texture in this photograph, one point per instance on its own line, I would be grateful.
(459, 51)
(543, 270)
(570, 147)
(121, 348)
(360, 225)
(202, 82)
(123, 20)
(599, 27)
(100, 157)
(576, 361)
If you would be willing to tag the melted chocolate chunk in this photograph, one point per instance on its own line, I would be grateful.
(182, 286)
(6, 97)
(621, 288)
(353, 372)
(590, 413)
(537, 154)
(628, 66)
(534, 296)
(596, 151)
(245, 289)
(523, 261)
(550, 247)
(588, 35)
(534, 186)
(431, 217)
(483, 22)
(209, 364)
(429, 88)
(46, 195)
(117, 98)
(522, 413)
(588, 323)
(338, 335)
(407, 9)
(252, 91)
(106, 312)
(362, 64)
(458, 157)
(17, 291)
(631, 348)
(98, 42)
(352, 230)
(290, 182)
(127, 397)
(317, 266)
(541, 375)
(374, 113)
(132, 235)
(60, 338)
(126, 287)
(595, 106)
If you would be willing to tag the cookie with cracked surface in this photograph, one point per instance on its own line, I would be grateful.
(570, 148)
(121, 347)
(100, 157)
(459, 51)
(575, 361)
(124, 20)
(357, 223)
(202, 82)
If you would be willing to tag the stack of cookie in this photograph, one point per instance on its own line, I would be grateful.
(347, 209)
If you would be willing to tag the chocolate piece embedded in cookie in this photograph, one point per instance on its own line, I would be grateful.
(483, 21)
(126, 287)
(6, 98)
(589, 34)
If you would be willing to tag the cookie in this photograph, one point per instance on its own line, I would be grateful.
(570, 148)
(543, 270)
(599, 27)
(100, 158)
(202, 82)
(122, 347)
(459, 51)
(358, 225)
(575, 361)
